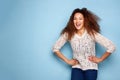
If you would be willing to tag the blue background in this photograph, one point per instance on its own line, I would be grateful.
(29, 29)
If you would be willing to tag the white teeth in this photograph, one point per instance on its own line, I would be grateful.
(78, 24)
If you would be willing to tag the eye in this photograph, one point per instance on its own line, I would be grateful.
(80, 18)
(74, 18)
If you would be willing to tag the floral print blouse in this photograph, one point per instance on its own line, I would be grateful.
(83, 47)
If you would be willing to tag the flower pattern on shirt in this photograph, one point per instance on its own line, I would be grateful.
(83, 47)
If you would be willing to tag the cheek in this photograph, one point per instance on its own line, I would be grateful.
(74, 21)
(82, 21)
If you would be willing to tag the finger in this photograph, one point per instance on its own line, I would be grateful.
(77, 62)
(93, 57)
(90, 58)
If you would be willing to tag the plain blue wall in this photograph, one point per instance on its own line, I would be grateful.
(29, 28)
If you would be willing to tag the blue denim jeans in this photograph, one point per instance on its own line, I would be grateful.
(78, 74)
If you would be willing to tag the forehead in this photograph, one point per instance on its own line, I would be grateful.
(78, 15)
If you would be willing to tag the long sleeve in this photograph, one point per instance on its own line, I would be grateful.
(60, 42)
(105, 42)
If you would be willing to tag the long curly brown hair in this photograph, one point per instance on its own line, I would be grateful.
(90, 23)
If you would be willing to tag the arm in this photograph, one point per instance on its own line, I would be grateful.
(70, 62)
(58, 45)
(107, 44)
(98, 60)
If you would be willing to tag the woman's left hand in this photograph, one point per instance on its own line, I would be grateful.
(95, 59)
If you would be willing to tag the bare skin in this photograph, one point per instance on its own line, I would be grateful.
(79, 25)
(98, 60)
(70, 62)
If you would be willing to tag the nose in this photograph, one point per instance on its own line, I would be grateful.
(77, 21)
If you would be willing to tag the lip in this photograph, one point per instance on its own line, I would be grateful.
(78, 25)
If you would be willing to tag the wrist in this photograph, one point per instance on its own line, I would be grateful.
(101, 59)
(66, 60)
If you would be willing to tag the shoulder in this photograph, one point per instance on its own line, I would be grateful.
(64, 35)
(98, 35)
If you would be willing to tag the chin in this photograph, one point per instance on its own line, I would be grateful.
(78, 28)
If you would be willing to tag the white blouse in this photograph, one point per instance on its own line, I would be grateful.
(83, 47)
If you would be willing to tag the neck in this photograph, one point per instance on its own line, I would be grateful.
(81, 31)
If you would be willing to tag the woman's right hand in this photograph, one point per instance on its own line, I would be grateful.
(72, 62)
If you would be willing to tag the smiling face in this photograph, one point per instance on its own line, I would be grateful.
(78, 21)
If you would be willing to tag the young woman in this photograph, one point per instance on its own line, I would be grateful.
(82, 31)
